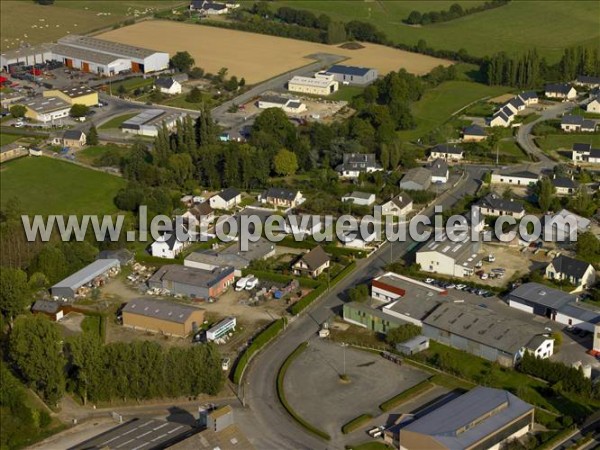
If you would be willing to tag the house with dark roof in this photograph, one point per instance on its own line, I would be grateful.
(354, 164)
(501, 118)
(562, 91)
(417, 179)
(439, 171)
(192, 282)
(584, 153)
(162, 316)
(519, 178)
(199, 214)
(51, 309)
(167, 246)
(312, 263)
(589, 82)
(209, 8)
(494, 205)
(448, 152)
(564, 185)
(359, 198)
(74, 139)
(168, 85)
(474, 133)
(574, 271)
(226, 199)
(529, 97)
(398, 206)
(516, 103)
(593, 106)
(352, 75)
(282, 198)
(483, 418)
(571, 123)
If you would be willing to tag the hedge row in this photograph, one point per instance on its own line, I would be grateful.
(405, 395)
(282, 398)
(313, 295)
(258, 343)
(265, 275)
(356, 423)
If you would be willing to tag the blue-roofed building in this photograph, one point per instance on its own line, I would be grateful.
(483, 418)
(359, 76)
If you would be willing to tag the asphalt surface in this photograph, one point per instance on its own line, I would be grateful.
(265, 421)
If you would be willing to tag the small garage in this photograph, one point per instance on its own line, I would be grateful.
(49, 308)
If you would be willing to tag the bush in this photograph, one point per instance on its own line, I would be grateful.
(405, 395)
(356, 423)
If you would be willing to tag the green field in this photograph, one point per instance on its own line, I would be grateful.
(566, 141)
(26, 21)
(51, 186)
(437, 105)
(8, 138)
(346, 93)
(547, 25)
(90, 154)
(131, 84)
(179, 101)
(116, 122)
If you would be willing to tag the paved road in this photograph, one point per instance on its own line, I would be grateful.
(265, 421)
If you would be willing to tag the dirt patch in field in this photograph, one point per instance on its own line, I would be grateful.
(258, 57)
(501, 98)
(352, 46)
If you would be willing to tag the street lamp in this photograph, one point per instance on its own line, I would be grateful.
(344, 345)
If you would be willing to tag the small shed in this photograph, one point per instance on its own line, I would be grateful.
(414, 345)
(48, 308)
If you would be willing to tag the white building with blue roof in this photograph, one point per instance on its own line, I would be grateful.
(358, 76)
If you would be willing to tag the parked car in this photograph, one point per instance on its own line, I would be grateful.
(225, 363)
(251, 283)
(240, 285)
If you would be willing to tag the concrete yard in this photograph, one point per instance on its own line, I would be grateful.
(314, 389)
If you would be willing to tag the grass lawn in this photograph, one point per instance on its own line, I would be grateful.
(511, 148)
(179, 101)
(437, 105)
(346, 93)
(35, 23)
(116, 122)
(582, 112)
(566, 141)
(516, 26)
(51, 186)
(90, 154)
(8, 138)
(131, 84)
(373, 445)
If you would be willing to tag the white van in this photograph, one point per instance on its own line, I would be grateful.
(251, 283)
(241, 283)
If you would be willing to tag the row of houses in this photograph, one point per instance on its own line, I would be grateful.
(563, 185)
(577, 124)
(506, 113)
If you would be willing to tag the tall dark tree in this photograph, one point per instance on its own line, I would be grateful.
(92, 136)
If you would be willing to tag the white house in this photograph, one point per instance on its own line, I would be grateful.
(500, 119)
(449, 152)
(524, 178)
(167, 86)
(529, 98)
(585, 153)
(589, 82)
(200, 214)
(564, 186)
(282, 198)
(167, 246)
(398, 206)
(356, 163)
(359, 198)
(226, 199)
(493, 205)
(210, 8)
(577, 124)
(574, 271)
(455, 259)
(562, 91)
(439, 171)
(357, 241)
(593, 106)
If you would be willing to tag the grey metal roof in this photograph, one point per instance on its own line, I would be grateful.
(274, 99)
(570, 266)
(44, 105)
(109, 47)
(87, 274)
(160, 309)
(522, 174)
(84, 54)
(349, 70)
(439, 168)
(190, 276)
(45, 306)
(144, 117)
(542, 295)
(466, 411)
(417, 175)
(495, 202)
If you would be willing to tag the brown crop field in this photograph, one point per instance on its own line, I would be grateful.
(258, 57)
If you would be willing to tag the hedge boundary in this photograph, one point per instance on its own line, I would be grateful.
(259, 341)
(356, 423)
(396, 400)
(282, 398)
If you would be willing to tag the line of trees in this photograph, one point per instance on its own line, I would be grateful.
(454, 12)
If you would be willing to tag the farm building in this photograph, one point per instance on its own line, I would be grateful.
(192, 282)
(360, 76)
(574, 271)
(94, 274)
(26, 56)
(353, 164)
(312, 263)
(226, 199)
(288, 105)
(562, 91)
(149, 121)
(221, 329)
(162, 316)
(585, 153)
(359, 198)
(398, 206)
(417, 179)
(80, 95)
(48, 308)
(483, 418)
(47, 109)
(321, 84)
(455, 259)
(107, 58)
(73, 139)
(524, 178)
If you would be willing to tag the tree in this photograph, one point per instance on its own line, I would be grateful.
(242, 82)
(121, 90)
(221, 74)
(545, 193)
(17, 111)
(78, 110)
(196, 73)
(36, 350)
(402, 333)
(336, 33)
(92, 136)
(588, 247)
(231, 84)
(14, 292)
(285, 162)
(194, 96)
(414, 18)
(182, 61)
(359, 293)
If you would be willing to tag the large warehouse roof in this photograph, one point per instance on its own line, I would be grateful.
(191, 275)
(102, 46)
(160, 309)
(87, 274)
(84, 54)
(44, 105)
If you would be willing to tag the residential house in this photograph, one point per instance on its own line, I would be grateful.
(312, 263)
(564, 186)
(439, 171)
(417, 179)
(357, 240)
(12, 151)
(529, 98)
(73, 139)
(226, 199)
(474, 133)
(360, 76)
(449, 152)
(167, 86)
(398, 206)
(562, 91)
(588, 82)
(455, 259)
(574, 271)
(593, 106)
(201, 214)
(354, 164)
(210, 8)
(516, 104)
(523, 178)
(501, 119)
(167, 246)
(359, 198)
(570, 123)
(494, 205)
(585, 153)
(282, 198)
